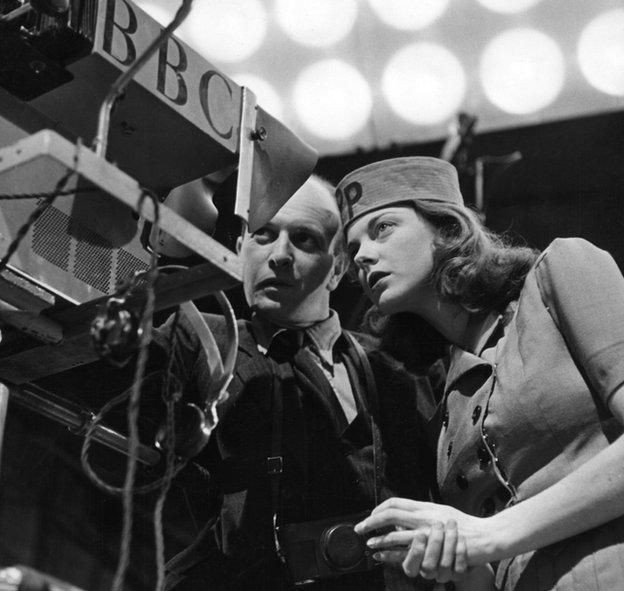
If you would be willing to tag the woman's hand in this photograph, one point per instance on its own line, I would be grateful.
(439, 555)
(434, 540)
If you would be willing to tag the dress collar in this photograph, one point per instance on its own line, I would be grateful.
(488, 334)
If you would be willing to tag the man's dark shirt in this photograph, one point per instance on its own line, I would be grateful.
(328, 464)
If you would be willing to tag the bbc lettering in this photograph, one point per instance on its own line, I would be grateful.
(173, 64)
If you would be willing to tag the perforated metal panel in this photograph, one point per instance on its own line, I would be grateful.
(127, 264)
(50, 238)
(83, 264)
(93, 260)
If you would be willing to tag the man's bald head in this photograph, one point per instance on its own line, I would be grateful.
(293, 262)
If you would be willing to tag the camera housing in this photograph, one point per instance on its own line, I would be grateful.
(323, 549)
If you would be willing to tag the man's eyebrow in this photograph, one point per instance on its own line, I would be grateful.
(312, 227)
(307, 225)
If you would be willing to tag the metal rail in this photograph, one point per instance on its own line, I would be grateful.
(76, 419)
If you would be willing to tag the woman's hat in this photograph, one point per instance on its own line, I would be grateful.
(394, 181)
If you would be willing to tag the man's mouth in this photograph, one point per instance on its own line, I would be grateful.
(374, 278)
(272, 282)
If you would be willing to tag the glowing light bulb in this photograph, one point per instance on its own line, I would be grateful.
(320, 23)
(424, 83)
(226, 30)
(332, 99)
(522, 71)
(409, 15)
(601, 52)
(508, 6)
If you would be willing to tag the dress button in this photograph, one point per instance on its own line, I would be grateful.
(449, 450)
(476, 413)
(484, 456)
(462, 481)
(488, 507)
(445, 419)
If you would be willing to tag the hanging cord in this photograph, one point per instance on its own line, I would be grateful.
(104, 410)
(47, 200)
(55, 194)
(133, 404)
(221, 374)
(86, 446)
(171, 397)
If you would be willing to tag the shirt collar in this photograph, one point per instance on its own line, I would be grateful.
(325, 333)
(322, 335)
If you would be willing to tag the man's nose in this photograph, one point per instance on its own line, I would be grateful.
(281, 255)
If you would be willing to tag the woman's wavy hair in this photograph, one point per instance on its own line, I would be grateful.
(472, 266)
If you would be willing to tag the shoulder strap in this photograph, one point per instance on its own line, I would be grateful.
(370, 406)
(275, 462)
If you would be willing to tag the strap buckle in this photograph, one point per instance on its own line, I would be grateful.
(275, 465)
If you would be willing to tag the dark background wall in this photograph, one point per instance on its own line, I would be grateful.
(54, 519)
(570, 182)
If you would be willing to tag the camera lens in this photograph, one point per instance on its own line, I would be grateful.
(342, 547)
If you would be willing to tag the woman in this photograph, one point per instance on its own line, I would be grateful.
(530, 458)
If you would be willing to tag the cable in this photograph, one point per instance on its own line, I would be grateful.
(133, 404)
(170, 401)
(88, 439)
(15, 196)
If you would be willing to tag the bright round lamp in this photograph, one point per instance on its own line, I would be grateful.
(601, 52)
(332, 99)
(508, 6)
(409, 15)
(424, 83)
(226, 30)
(319, 23)
(522, 71)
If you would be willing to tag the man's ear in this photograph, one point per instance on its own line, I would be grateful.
(341, 264)
(239, 244)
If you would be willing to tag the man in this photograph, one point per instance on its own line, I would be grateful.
(296, 439)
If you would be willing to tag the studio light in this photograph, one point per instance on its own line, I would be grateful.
(508, 6)
(512, 61)
(266, 95)
(332, 99)
(409, 15)
(424, 83)
(316, 24)
(522, 71)
(601, 52)
(226, 30)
